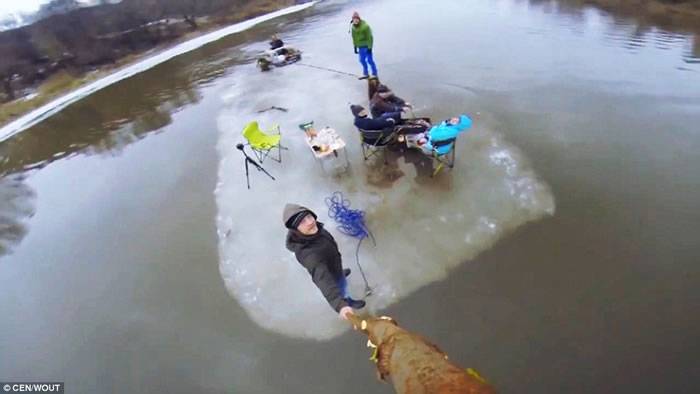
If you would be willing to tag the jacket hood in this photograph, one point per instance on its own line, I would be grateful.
(291, 210)
(383, 88)
(359, 25)
(447, 130)
(356, 110)
(464, 123)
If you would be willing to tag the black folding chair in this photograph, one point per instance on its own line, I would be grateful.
(375, 141)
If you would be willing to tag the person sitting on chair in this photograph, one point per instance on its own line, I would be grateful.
(440, 138)
(385, 101)
(317, 251)
(276, 42)
(363, 122)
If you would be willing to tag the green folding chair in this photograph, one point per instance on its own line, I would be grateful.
(263, 143)
(446, 158)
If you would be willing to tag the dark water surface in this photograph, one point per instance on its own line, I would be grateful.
(110, 274)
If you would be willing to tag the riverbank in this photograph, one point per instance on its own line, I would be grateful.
(64, 82)
(155, 58)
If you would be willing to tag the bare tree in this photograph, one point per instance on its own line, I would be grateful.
(80, 38)
(16, 61)
(189, 10)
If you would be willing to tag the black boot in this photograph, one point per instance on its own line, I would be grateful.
(355, 304)
(346, 271)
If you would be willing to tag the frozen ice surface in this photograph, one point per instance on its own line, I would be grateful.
(424, 227)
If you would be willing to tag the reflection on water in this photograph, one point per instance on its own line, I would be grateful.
(629, 28)
(635, 35)
(116, 116)
(16, 206)
(693, 54)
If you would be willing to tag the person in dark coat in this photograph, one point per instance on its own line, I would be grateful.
(276, 42)
(364, 122)
(316, 250)
(385, 124)
(385, 101)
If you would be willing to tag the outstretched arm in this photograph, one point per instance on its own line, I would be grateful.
(329, 287)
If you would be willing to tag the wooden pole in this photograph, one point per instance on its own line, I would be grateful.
(414, 365)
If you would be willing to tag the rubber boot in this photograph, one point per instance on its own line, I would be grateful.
(355, 304)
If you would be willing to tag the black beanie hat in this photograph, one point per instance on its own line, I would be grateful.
(294, 221)
(356, 109)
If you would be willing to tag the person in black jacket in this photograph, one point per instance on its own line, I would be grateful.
(384, 123)
(316, 250)
(276, 42)
(364, 122)
(385, 101)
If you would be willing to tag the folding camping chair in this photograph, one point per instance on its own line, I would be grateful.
(263, 143)
(375, 141)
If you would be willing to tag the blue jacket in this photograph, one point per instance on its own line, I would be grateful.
(374, 124)
(445, 131)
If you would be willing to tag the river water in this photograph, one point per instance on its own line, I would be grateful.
(560, 255)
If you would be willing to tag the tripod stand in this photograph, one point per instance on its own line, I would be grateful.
(255, 164)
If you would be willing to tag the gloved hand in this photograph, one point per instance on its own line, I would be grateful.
(369, 50)
(345, 311)
(355, 50)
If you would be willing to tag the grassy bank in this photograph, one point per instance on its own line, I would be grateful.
(54, 86)
(64, 82)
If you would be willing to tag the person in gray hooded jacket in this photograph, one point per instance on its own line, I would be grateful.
(317, 251)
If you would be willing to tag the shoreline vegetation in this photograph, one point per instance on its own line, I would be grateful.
(65, 77)
(56, 66)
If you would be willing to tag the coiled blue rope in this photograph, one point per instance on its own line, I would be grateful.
(350, 222)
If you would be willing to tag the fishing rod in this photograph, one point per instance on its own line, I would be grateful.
(327, 69)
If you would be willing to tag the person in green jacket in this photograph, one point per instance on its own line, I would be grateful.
(362, 40)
